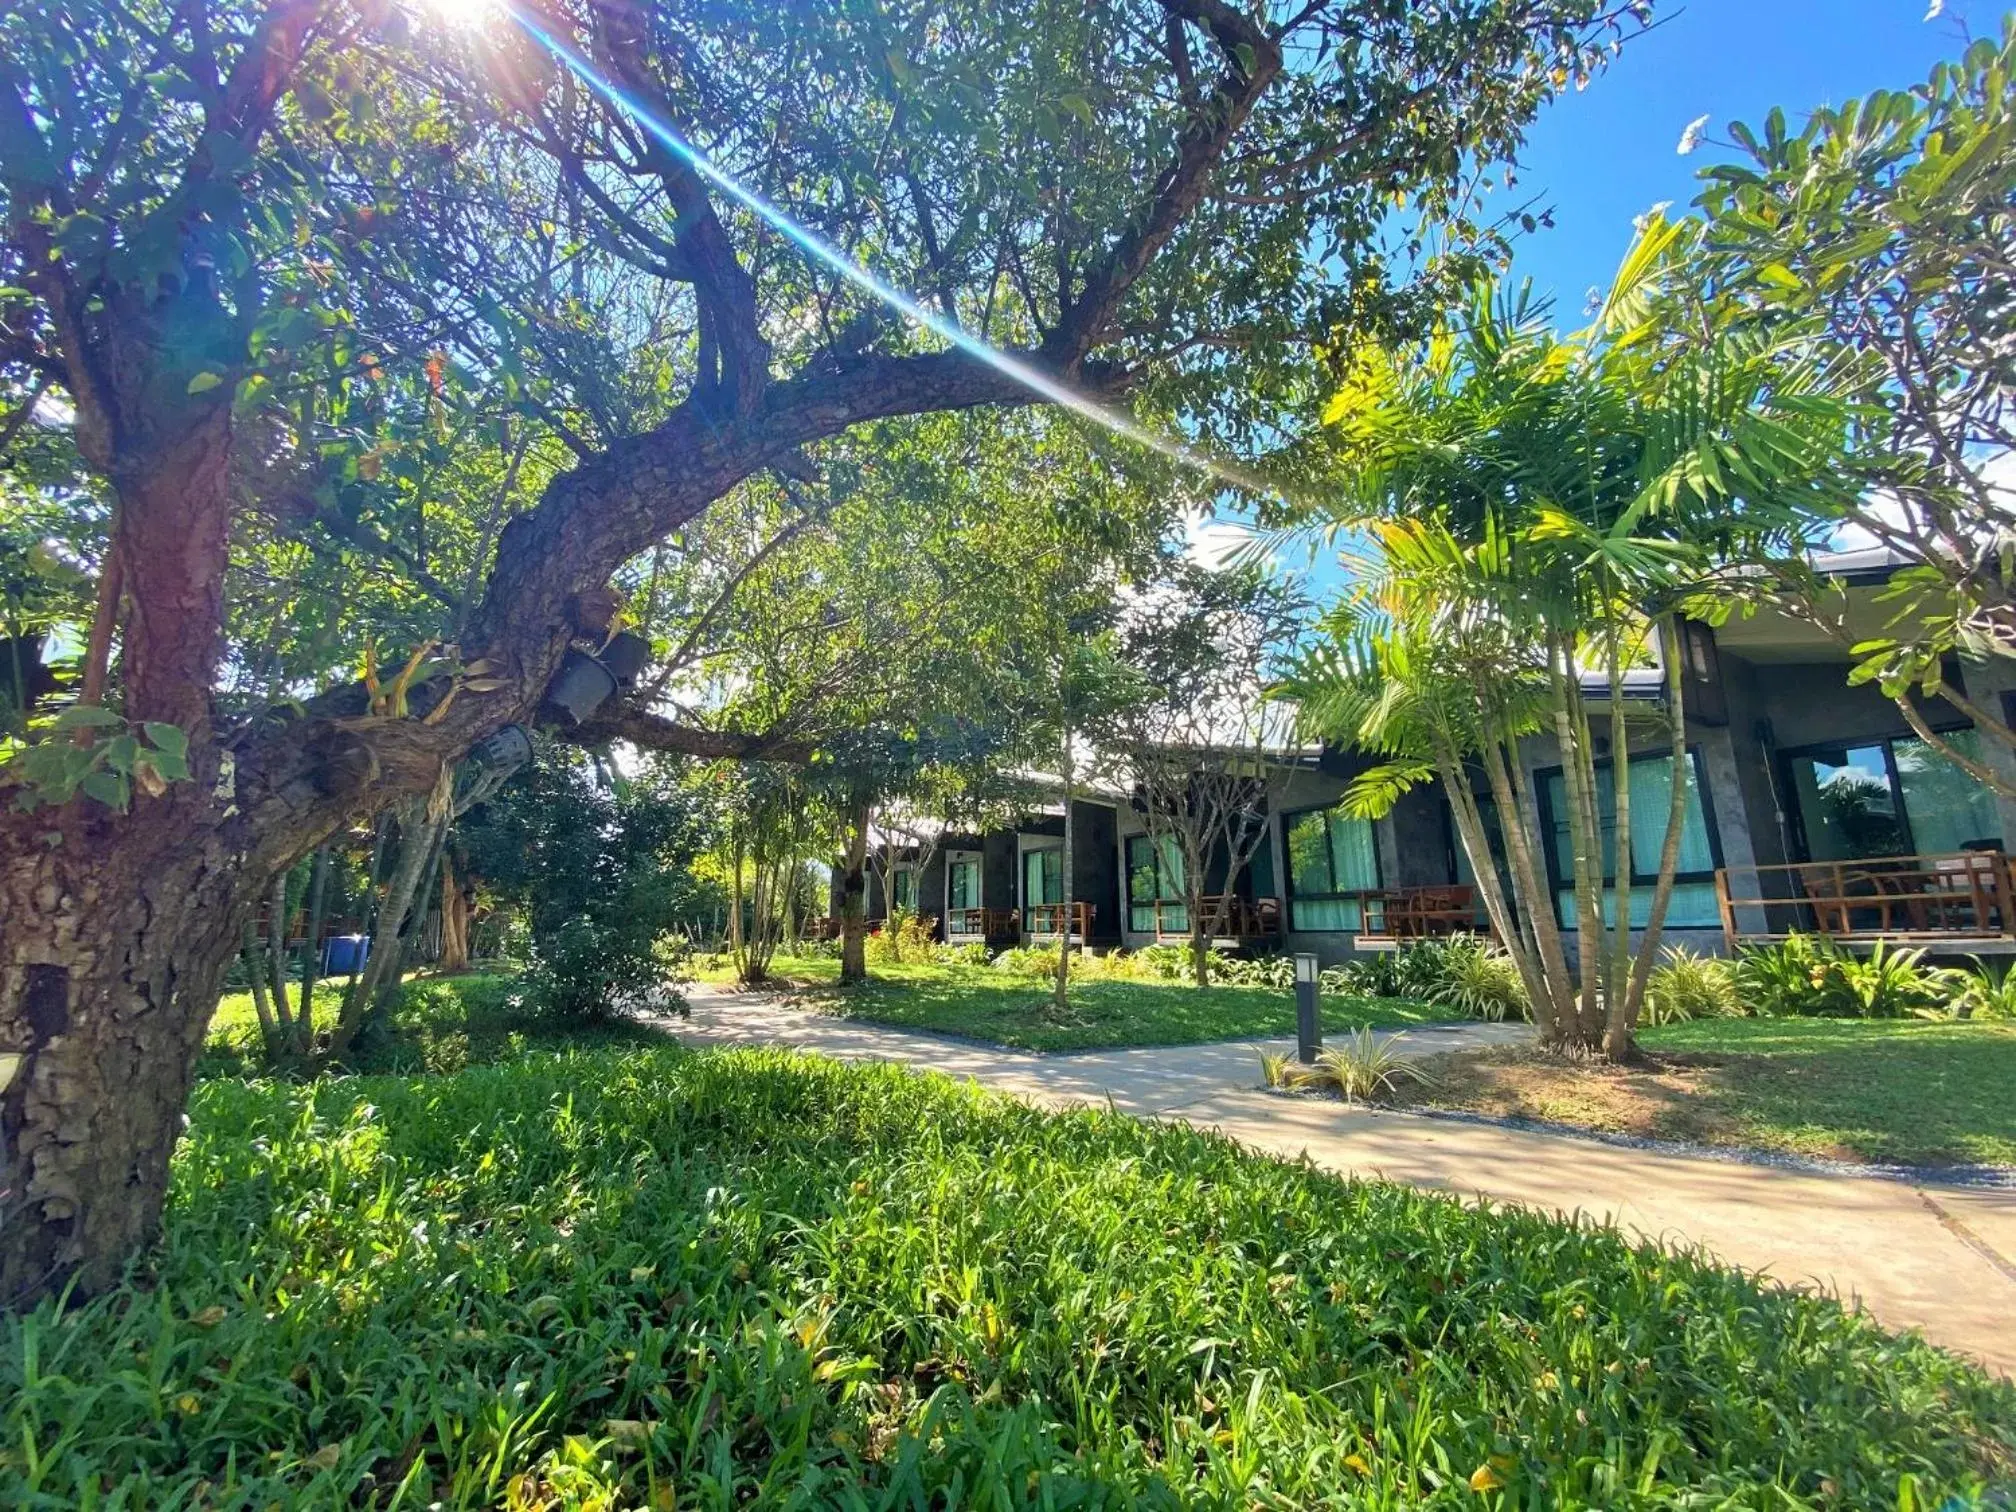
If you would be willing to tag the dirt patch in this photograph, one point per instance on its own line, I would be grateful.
(1656, 1097)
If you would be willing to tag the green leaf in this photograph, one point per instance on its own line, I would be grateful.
(88, 717)
(204, 381)
(109, 788)
(172, 739)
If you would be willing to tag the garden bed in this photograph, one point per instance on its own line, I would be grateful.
(1905, 1092)
(1012, 1008)
(654, 1278)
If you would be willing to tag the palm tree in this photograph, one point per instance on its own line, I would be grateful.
(1538, 515)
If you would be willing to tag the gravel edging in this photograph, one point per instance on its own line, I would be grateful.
(1978, 1177)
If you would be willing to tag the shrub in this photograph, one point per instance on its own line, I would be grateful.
(1364, 1065)
(1276, 972)
(1161, 963)
(1462, 971)
(1810, 976)
(972, 953)
(1028, 960)
(904, 939)
(1480, 981)
(1985, 992)
(1688, 985)
(603, 875)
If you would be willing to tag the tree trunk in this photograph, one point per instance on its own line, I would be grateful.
(276, 948)
(1617, 1034)
(854, 902)
(1061, 996)
(454, 921)
(115, 931)
(271, 1036)
(311, 955)
(416, 849)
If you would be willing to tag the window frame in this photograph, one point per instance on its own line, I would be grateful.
(1162, 898)
(1543, 785)
(1801, 841)
(1291, 897)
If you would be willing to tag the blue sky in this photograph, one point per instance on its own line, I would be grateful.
(1606, 154)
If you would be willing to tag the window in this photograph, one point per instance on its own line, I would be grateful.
(1692, 905)
(1891, 798)
(1330, 856)
(962, 882)
(1042, 882)
(1155, 901)
(903, 888)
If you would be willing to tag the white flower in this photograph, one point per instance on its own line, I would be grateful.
(1642, 221)
(1691, 137)
(1935, 10)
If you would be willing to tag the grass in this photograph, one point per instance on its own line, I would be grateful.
(1908, 1091)
(1007, 1008)
(648, 1278)
(438, 1024)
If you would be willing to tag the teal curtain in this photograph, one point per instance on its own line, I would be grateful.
(1155, 876)
(1651, 795)
(963, 884)
(1693, 904)
(1329, 853)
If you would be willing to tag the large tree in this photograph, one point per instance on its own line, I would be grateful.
(224, 220)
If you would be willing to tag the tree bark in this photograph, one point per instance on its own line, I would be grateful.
(311, 962)
(115, 931)
(1061, 996)
(454, 922)
(854, 901)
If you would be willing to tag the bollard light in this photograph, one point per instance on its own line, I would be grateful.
(1308, 1026)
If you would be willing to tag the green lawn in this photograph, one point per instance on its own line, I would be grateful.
(438, 1024)
(1912, 1090)
(651, 1278)
(1007, 1008)
(1909, 1091)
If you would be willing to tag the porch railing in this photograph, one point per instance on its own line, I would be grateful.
(1930, 899)
(1243, 919)
(966, 924)
(1394, 914)
(1046, 920)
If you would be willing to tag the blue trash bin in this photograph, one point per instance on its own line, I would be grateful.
(343, 954)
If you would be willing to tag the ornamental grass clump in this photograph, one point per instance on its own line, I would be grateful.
(650, 1278)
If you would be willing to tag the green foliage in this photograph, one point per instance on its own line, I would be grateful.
(1689, 985)
(603, 876)
(1482, 983)
(1985, 992)
(437, 1024)
(1810, 975)
(905, 937)
(105, 768)
(738, 1278)
(1462, 971)
(1874, 235)
(1108, 1006)
(969, 955)
(1363, 1066)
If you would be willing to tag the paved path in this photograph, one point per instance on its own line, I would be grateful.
(1939, 1259)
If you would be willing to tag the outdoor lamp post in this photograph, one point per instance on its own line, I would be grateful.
(1308, 1028)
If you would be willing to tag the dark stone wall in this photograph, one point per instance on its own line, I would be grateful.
(1095, 869)
(997, 869)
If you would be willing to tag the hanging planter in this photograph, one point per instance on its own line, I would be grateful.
(508, 748)
(579, 688)
(625, 656)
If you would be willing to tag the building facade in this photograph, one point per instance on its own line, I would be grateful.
(1811, 805)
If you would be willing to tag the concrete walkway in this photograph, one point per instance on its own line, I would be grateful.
(1939, 1259)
